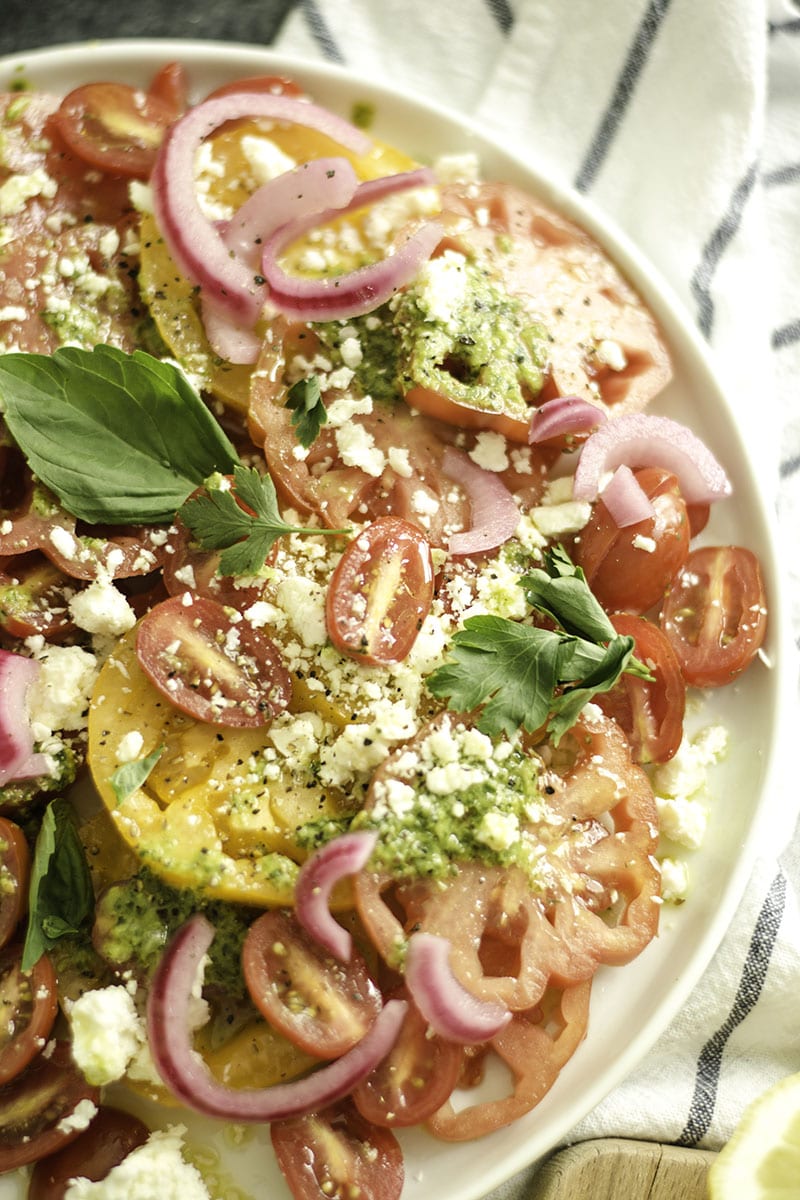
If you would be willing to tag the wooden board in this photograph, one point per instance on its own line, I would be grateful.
(618, 1169)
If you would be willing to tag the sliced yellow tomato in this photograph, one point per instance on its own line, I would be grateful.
(171, 298)
(205, 818)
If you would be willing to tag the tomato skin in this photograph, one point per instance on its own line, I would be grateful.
(276, 85)
(715, 614)
(414, 1080)
(35, 1103)
(112, 1135)
(207, 666)
(171, 87)
(651, 713)
(28, 1007)
(622, 575)
(283, 965)
(114, 128)
(381, 592)
(15, 865)
(337, 1153)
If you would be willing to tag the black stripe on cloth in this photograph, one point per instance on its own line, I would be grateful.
(751, 983)
(786, 335)
(789, 467)
(502, 12)
(320, 32)
(792, 26)
(714, 249)
(787, 173)
(631, 70)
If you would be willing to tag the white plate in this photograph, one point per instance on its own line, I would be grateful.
(631, 1005)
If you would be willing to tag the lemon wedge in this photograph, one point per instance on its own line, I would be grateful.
(762, 1159)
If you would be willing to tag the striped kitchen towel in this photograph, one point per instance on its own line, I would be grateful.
(682, 121)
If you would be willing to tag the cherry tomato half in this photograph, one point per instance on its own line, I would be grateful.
(171, 87)
(28, 1006)
(629, 569)
(381, 592)
(321, 1005)
(15, 864)
(114, 127)
(276, 85)
(110, 1138)
(216, 670)
(715, 614)
(414, 1080)
(337, 1153)
(33, 1108)
(650, 712)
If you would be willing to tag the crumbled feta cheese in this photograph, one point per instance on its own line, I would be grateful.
(106, 1033)
(490, 451)
(130, 746)
(357, 448)
(498, 830)
(101, 608)
(59, 697)
(457, 168)
(156, 1169)
(674, 881)
(265, 159)
(80, 1118)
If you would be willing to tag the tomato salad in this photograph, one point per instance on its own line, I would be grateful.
(340, 555)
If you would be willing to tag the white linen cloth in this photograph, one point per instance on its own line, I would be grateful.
(681, 119)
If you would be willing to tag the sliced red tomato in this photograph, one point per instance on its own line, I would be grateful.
(630, 569)
(34, 1105)
(337, 1153)
(415, 1078)
(210, 666)
(715, 614)
(110, 1138)
(276, 85)
(650, 711)
(114, 128)
(321, 1005)
(15, 863)
(28, 1007)
(34, 597)
(381, 592)
(171, 87)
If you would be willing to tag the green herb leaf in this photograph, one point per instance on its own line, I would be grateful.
(218, 521)
(520, 675)
(61, 898)
(129, 778)
(308, 412)
(120, 438)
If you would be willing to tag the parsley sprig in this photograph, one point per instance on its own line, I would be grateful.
(527, 676)
(309, 414)
(243, 521)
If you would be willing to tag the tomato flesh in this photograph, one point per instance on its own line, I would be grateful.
(14, 876)
(629, 569)
(34, 1105)
(336, 1153)
(381, 592)
(110, 1138)
(216, 670)
(28, 1006)
(114, 127)
(650, 712)
(321, 1005)
(715, 615)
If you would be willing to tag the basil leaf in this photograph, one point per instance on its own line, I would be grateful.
(61, 898)
(129, 778)
(120, 438)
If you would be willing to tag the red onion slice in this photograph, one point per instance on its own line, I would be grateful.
(188, 1078)
(564, 415)
(356, 292)
(450, 1010)
(625, 498)
(495, 515)
(17, 759)
(343, 856)
(194, 243)
(642, 440)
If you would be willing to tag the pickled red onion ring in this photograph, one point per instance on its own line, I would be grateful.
(360, 291)
(342, 856)
(189, 1079)
(643, 440)
(17, 757)
(495, 515)
(564, 415)
(193, 241)
(625, 498)
(450, 1010)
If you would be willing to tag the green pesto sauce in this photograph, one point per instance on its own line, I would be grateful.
(485, 354)
(439, 832)
(24, 799)
(136, 918)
